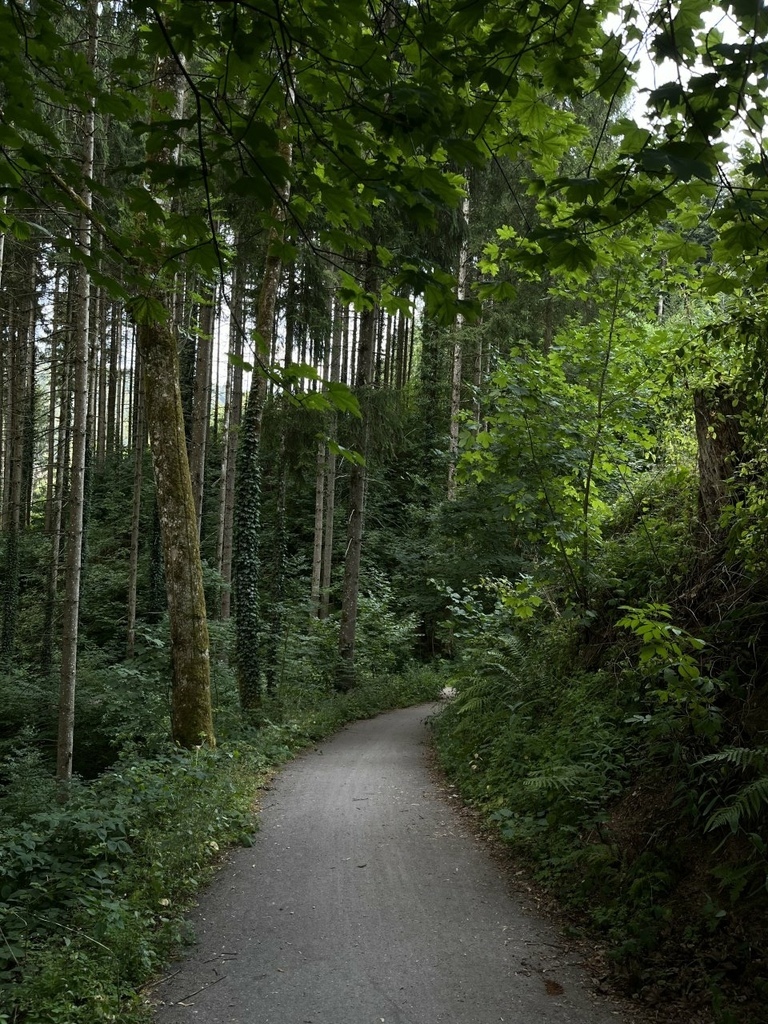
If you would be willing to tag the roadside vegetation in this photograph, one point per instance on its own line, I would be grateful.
(349, 350)
(620, 750)
(93, 891)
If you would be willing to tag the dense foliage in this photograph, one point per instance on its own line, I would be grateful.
(337, 341)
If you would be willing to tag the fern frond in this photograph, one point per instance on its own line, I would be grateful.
(556, 778)
(739, 757)
(750, 804)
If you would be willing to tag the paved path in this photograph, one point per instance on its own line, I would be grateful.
(365, 899)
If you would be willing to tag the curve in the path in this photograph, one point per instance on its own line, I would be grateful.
(365, 900)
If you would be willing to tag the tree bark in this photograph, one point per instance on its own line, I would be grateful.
(191, 717)
(112, 380)
(317, 546)
(138, 479)
(346, 676)
(201, 404)
(157, 346)
(248, 484)
(57, 507)
(456, 368)
(232, 416)
(80, 353)
(329, 502)
(720, 447)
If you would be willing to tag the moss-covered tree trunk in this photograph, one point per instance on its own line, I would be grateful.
(720, 447)
(191, 720)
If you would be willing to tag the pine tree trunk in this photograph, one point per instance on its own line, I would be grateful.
(80, 352)
(201, 404)
(112, 380)
(53, 384)
(345, 676)
(456, 368)
(317, 547)
(57, 513)
(101, 390)
(138, 479)
(16, 435)
(30, 408)
(329, 507)
(232, 418)
(329, 501)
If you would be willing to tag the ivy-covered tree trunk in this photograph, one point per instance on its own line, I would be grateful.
(191, 718)
(248, 482)
(246, 559)
(277, 590)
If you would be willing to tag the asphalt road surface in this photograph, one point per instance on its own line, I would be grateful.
(366, 899)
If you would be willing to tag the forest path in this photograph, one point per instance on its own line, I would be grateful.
(366, 899)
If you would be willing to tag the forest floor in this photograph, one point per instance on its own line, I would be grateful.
(369, 897)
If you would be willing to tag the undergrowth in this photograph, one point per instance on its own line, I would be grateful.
(619, 749)
(93, 891)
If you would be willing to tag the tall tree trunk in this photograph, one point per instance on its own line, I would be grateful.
(113, 374)
(329, 505)
(191, 716)
(345, 676)
(138, 480)
(157, 346)
(201, 404)
(317, 547)
(101, 390)
(456, 368)
(53, 386)
(248, 484)
(277, 593)
(232, 417)
(329, 501)
(57, 513)
(30, 407)
(14, 504)
(71, 606)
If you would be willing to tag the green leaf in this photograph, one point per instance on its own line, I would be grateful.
(343, 399)
(346, 453)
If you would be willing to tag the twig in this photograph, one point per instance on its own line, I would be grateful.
(199, 990)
